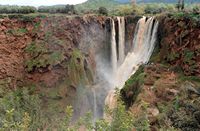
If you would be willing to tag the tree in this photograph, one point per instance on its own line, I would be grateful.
(180, 5)
(103, 11)
(69, 9)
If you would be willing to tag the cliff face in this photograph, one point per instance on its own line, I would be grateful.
(166, 92)
(51, 55)
(48, 49)
(38, 50)
(56, 55)
(179, 40)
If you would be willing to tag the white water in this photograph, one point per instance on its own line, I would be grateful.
(143, 46)
(144, 42)
(121, 43)
(113, 47)
(122, 68)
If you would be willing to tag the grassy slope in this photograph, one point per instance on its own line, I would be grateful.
(95, 4)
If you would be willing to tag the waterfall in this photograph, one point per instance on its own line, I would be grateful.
(94, 97)
(114, 48)
(144, 42)
(139, 33)
(143, 46)
(121, 43)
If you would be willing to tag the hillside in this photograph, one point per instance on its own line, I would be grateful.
(94, 4)
(157, 1)
(111, 4)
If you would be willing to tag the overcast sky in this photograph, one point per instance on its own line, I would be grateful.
(39, 2)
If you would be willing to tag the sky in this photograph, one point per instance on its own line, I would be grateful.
(39, 2)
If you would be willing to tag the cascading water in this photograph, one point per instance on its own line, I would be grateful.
(121, 43)
(143, 45)
(121, 69)
(113, 47)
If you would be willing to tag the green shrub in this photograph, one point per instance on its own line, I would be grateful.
(41, 56)
(36, 51)
(15, 16)
(28, 18)
(2, 16)
(103, 11)
(189, 78)
(153, 9)
(187, 15)
(68, 9)
(196, 9)
(20, 110)
(188, 56)
(9, 122)
(20, 31)
(122, 120)
(17, 9)
(172, 56)
(122, 10)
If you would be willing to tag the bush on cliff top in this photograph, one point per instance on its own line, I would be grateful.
(103, 11)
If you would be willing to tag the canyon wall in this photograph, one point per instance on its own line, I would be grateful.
(28, 44)
(166, 90)
(56, 57)
(179, 41)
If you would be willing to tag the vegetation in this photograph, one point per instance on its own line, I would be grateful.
(76, 68)
(122, 10)
(122, 120)
(41, 56)
(180, 5)
(20, 110)
(158, 8)
(17, 32)
(66, 9)
(104, 7)
(133, 87)
(17, 9)
(95, 5)
(103, 11)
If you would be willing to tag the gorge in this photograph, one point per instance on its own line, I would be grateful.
(80, 60)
